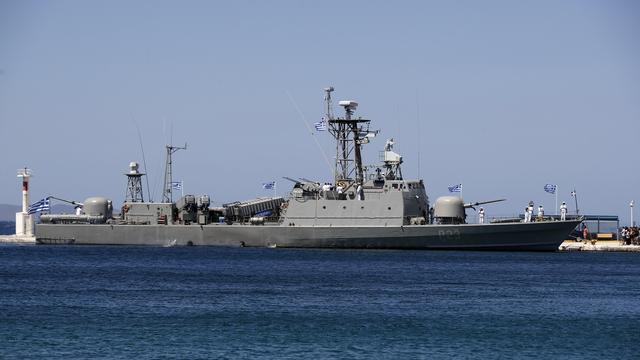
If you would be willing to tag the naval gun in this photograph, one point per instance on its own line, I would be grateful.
(473, 205)
(451, 209)
(304, 187)
(97, 210)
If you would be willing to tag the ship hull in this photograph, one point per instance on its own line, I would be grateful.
(542, 236)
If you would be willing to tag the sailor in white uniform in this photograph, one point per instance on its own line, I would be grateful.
(481, 216)
(540, 213)
(529, 213)
(563, 211)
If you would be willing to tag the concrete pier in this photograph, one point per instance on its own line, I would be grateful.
(599, 245)
(17, 239)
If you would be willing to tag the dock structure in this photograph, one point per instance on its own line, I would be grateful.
(17, 239)
(598, 245)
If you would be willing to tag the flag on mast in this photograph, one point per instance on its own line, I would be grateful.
(41, 205)
(269, 185)
(455, 188)
(321, 125)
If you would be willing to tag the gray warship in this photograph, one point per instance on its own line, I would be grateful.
(370, 207)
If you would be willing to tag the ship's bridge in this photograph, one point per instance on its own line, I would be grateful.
(378, 202)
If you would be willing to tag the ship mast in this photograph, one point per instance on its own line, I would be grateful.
(134, 191)
(167, 193)
(327, 100)
(350, 133)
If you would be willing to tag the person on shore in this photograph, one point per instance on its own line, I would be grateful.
(635, 234)
(481, 216)
(563, 211)
(624, 234)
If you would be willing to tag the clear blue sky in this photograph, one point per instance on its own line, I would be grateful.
(502, 96)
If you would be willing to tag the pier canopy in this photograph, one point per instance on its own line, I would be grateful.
(602, 223)
(599, 225)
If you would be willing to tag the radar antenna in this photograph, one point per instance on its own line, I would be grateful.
(350, 133)
(327, 99)
(167, 194)
(392, 162)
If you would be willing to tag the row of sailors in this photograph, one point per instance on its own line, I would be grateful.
(528, 213)
(326, 187)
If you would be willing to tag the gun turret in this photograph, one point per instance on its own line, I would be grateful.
(306, 184)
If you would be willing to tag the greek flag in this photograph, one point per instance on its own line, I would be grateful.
(269, 185)
(42, 205)
(550, 188)
(176, 185)
(321, 125)
(455, 188)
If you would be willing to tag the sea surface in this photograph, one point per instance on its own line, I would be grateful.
(121, 302)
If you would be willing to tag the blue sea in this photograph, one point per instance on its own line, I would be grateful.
(65, 302)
